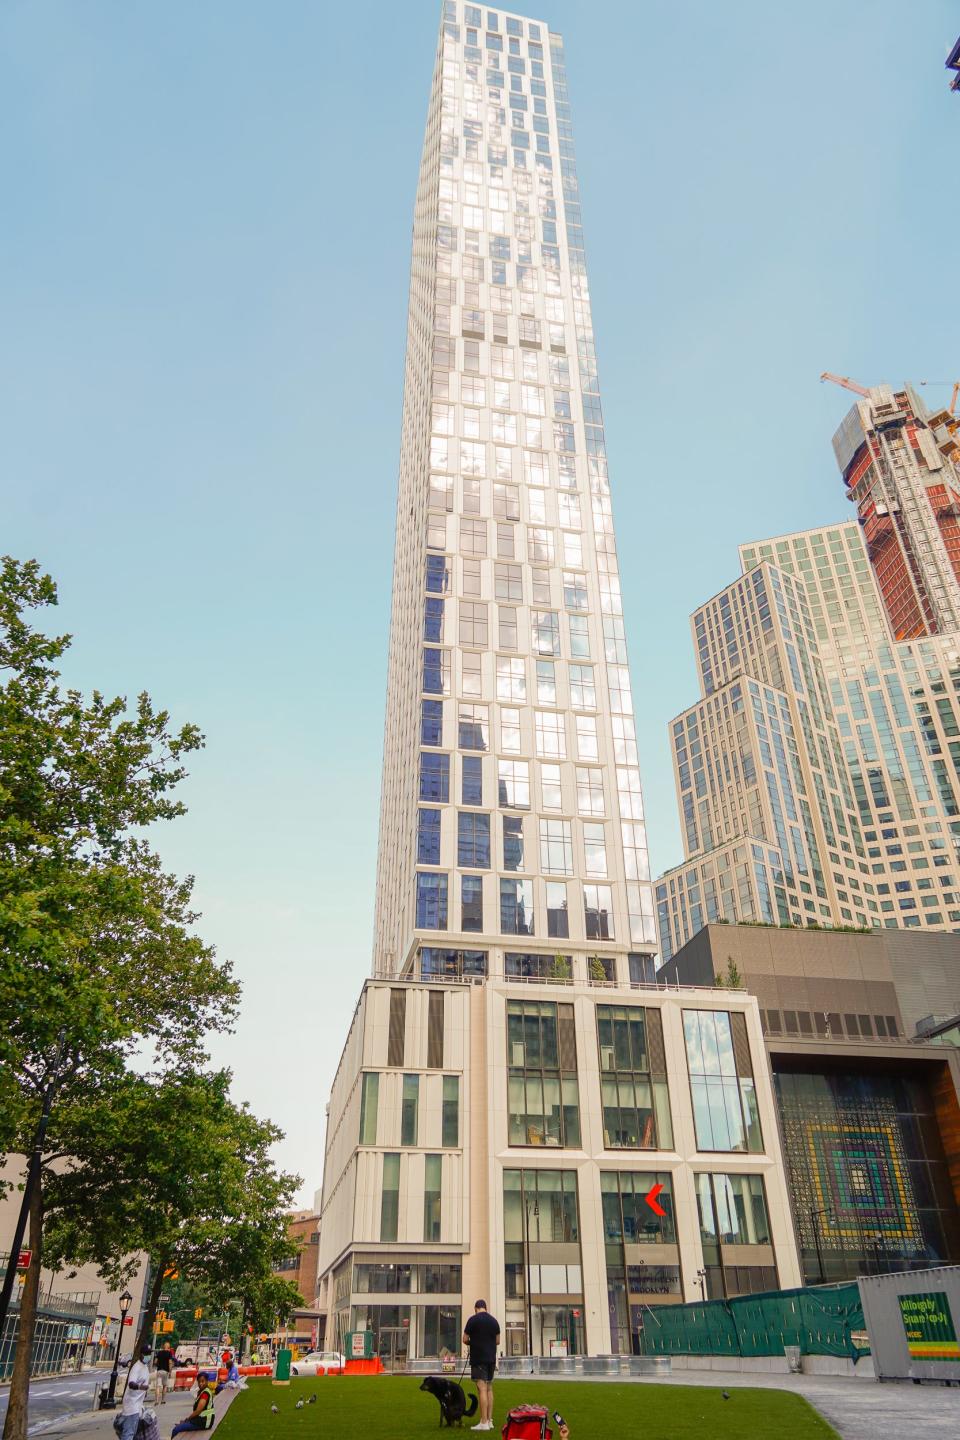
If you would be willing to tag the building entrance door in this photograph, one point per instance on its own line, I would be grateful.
(394, 1345)
(516, 1338)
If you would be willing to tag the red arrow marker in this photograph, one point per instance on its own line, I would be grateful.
(651, 1200)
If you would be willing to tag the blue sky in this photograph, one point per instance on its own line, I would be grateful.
(204, 252)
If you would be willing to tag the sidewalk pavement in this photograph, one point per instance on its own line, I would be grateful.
(858, 1409)
(98, 1424)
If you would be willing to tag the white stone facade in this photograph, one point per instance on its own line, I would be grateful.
(561, 1284)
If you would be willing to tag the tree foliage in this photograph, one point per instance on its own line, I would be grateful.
(732, 980)
(174, 1167)
(107, 992)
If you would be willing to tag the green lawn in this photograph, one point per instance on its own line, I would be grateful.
(370, 1407)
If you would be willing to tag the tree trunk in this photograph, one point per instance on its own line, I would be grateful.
(15, 1425)
(156, 1290)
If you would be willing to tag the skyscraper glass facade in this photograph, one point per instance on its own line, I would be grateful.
(897, 708)
(511, 806)
(514, 923)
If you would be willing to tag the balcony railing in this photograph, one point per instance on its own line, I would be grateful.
(411, 977)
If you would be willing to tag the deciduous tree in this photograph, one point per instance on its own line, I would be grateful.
(99, 959)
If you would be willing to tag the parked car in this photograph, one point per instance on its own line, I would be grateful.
(318, 1362)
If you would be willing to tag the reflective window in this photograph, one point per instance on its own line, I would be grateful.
(473, 840)
(369, 1095)
(409, 1105)
(390, 1198)
(471, 780)
(431, 1196)
(513, 780)
(434, 776)
(471, 903)
(543, 1099)
(431, 722)
(556, 847)
(450, 1128)
(721, 1081)
(473, 728)
(431, 901)
(598, 912)
(513, 842)
(516, 907)
(428, 837)
(633, 1079)
(558, 918)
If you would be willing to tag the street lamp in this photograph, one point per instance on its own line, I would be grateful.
(108, 1401)
(815, 1216)
(877, 1240)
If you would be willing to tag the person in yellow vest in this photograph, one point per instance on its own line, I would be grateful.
(201, 1416)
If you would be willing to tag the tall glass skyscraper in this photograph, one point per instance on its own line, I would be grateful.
(511, 812)
(515, 1086)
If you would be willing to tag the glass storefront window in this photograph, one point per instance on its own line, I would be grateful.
(721, 1082)
(627, 1217)
(542, 1261)
(633, 1081)
(732, 1210)
(440, 1331)
(542, 1089)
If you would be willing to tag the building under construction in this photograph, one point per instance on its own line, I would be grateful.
(899, 463)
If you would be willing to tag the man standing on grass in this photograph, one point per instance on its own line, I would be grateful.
(481, 1335)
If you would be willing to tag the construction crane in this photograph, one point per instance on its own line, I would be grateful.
(846, 382)
(952, 407)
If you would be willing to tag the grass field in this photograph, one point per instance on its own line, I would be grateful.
(394, 1408)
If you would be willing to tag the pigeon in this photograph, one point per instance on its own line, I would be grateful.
(299, 1405)
(312, 1400)
(725, 1394)
(274, 1409)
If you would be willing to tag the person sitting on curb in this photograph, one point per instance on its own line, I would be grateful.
(233, 1377)
(201, 1416)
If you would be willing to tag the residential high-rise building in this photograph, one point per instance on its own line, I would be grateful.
(897, 708)
(514, 1085)
(511, 803)
(771, 831)
(819, 775)
(899, 466)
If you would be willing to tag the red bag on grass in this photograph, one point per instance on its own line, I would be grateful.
(527, 1422)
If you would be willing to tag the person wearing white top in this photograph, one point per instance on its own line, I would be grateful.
(138, 1379)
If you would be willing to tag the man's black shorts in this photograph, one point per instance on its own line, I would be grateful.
(483, 1370)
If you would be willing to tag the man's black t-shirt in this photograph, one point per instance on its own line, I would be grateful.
(483, 1333)
(164, 1359)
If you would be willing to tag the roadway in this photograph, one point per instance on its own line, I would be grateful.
(61, 1395)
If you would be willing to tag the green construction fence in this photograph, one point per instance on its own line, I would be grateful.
(825, 1320)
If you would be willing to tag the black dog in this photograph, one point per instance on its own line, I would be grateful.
(453, 1402)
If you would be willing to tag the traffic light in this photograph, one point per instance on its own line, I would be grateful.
(168, 1327)
(198, 1313)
